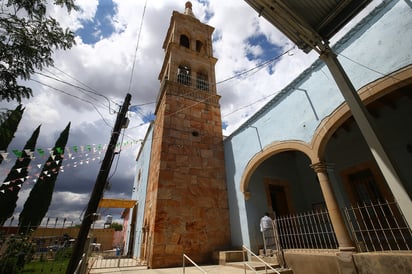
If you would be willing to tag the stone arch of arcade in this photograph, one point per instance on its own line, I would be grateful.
(269, 151)
(368, 94)
(317, 150)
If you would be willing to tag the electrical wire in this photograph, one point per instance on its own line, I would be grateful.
(61, 80)
(259, 66)
(90, 88)
(74, 96)
(253, 69)
(251, 104)
(118, 157)
(83, 90)
(137, 47)
(368, 68)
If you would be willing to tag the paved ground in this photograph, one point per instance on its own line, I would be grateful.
(210, 269)
(129, 266)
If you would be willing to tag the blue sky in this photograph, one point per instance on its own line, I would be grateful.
(100, 26)
(111, 59)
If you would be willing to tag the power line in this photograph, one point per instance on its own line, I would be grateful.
(369, 68)
(117, 158)
(251, 104)
(90, 89)
(259, 66)
(81, 89)
(74, 96)
(137, 46)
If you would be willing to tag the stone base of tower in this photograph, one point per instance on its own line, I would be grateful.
(193, 231)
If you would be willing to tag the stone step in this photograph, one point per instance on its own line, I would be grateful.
(259, 267)
(235, 258)
(268, 259)
(223, 257)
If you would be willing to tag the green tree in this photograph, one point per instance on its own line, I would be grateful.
(9, 190)
(17, 250)
(27, 39)
(38, 202)
(116, 226)
(8, 127)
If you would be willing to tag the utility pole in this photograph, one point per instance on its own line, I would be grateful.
(89, 216)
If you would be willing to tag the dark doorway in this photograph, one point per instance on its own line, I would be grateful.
(132, 232)
(364, 187)
(278, 200)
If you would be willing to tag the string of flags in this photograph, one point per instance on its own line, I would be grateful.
(84, 156)
(42, 152)
(40, 175)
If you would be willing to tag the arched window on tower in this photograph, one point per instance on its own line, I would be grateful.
(202, 81)
(183, 75)
(199, 46)
(184, 41)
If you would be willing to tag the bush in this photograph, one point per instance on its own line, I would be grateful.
(17, 250)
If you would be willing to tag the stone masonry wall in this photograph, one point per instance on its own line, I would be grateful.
(191, 214)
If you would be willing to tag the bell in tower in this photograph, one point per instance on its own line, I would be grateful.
(189, 55)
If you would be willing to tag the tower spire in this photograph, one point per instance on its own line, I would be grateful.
(188, 9)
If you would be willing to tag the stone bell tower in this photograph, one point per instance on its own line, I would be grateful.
(186, 209)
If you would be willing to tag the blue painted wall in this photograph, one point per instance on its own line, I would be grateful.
(140, 187)
(380, 44)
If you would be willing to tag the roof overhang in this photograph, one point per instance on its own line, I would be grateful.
(117, 203)
(309, 23)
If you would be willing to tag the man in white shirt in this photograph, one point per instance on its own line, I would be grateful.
(265, 222)
(266, 227)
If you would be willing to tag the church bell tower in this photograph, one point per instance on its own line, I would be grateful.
(186, 208)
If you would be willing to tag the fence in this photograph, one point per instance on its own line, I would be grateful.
(48, 248)
(378, 227)
(198, 82)
(308, 230)
(110, 259)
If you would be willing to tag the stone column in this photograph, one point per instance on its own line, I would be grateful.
(344, 241)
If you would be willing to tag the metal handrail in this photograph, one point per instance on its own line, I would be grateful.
(79, 265)
(259, 259)
(190, 260)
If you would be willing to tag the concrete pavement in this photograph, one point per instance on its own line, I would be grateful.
(209, 269)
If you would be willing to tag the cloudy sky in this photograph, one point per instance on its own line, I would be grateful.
(119, 51)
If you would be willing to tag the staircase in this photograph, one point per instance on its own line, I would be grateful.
(246, 259)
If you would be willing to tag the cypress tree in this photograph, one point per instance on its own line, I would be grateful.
(9, 190)
(38, 202)
(8, 127)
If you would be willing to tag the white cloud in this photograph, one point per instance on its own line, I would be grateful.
(106, 68)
